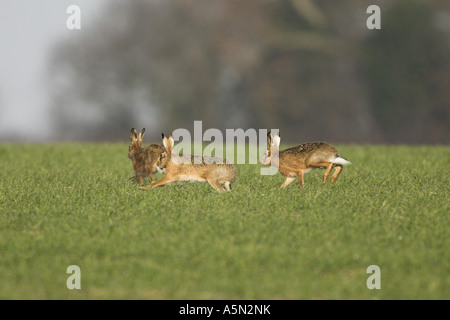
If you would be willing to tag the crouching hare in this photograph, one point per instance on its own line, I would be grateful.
(296, 161)
(219, 173)
(144, 160)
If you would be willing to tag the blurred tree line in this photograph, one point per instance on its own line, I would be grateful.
(310, 68)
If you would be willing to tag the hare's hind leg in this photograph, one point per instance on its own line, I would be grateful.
(327, 165)
(327, 172)
(337, 172)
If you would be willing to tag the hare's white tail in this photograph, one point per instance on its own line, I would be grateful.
(341, 160)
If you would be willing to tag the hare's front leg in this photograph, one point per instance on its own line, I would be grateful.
(227, 185)
(215, 185)
(287, 181)
(162, 182)
(158, 183)
(139, 179)
(300, 178)
(150, 173)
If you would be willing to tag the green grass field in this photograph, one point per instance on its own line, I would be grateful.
(74, 204)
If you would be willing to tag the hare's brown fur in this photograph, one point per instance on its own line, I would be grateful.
(296, 161)
(145, 160)
(186, 168)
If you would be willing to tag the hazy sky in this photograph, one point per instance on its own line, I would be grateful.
(28, 30)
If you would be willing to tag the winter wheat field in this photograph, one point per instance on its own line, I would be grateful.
(70, 204)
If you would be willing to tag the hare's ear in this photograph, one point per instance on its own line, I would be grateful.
(171, 141)
(168, 143)
(165, 141)
(141, 135)
(276, 140)
(133, 135)
(269, 138)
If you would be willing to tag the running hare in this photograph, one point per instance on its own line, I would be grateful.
(296, 161)
(219, 173)
(144, 159)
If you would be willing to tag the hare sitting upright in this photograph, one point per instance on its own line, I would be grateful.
(144, 160)
(296, 161)
(219, 173)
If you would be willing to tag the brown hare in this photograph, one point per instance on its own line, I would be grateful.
(296, 161)
(144, 160)
(219, 173)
